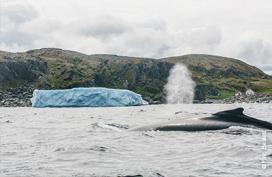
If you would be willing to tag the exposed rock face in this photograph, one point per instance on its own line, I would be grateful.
(17, 68)
(147, 77)
(202, 91)
(216, 77)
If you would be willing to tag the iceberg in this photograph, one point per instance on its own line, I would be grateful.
(86, 97)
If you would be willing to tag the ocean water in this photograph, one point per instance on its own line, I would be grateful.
(83, 142)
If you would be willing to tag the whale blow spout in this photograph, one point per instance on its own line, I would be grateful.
(180, 86)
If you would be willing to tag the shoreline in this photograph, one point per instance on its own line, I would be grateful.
(142, 106)
(20, 97)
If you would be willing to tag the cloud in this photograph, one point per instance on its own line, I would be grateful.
(17, 37)
(250, 47)
(256, 51)
(203, 39)
(267, 68)
(154, 28)
(100, 26)
(14, 15)
(204, 36)
(145, 42)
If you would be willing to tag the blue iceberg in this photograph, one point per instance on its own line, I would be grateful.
(85, 97)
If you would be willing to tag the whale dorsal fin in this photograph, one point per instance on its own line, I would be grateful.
(237, 111)
(233, 115)
(237, 116)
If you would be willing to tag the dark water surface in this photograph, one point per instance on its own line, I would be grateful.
(94, 142)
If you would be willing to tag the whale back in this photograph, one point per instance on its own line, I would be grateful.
(237, 116)
(217, 121)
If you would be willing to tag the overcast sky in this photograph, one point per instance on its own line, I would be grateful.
(148, 28)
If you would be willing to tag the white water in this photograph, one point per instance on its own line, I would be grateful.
(180, 86)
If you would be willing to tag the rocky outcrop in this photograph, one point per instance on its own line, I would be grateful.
(19, 96)
(256, 98)
(14, 69)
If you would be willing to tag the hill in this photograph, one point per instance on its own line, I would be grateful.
(49, 68)
(220, 77)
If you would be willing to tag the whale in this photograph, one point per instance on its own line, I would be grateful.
(217, 121)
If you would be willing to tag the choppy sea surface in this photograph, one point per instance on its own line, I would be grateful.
(83, 142)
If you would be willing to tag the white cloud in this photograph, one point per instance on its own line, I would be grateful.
(148, 28)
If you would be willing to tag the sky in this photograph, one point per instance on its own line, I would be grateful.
(240, 29)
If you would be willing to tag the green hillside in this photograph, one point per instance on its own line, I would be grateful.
(216, 77)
